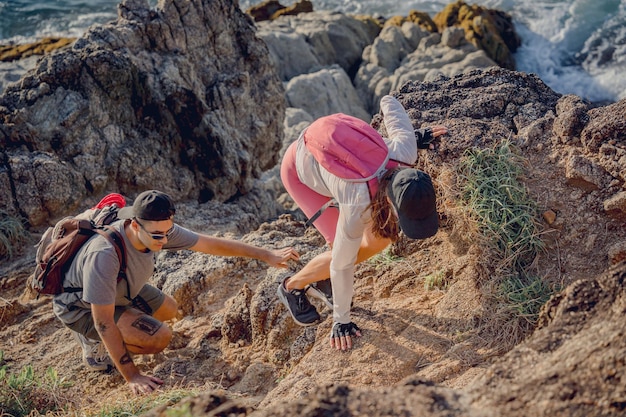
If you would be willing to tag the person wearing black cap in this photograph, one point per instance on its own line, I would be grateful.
(356, 226)
(112, 318)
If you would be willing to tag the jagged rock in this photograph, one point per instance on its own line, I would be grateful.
(186, 81)
(487, 29)
(605, 134)
(236, 326)
(392, 45)
(217, 403)
(617, 253)
(559, 371)
(421, 19)
(504, 103)
(325, 92)
(453, 37)
(584, 174)
(571, 112)
(264, 10)
(296, 120)
(302, 6)
(413, 399)
(616, 202)
(409, 53)
(307, 42)
(601, 131)
(11, 72)
(41, 47)
(272, 9)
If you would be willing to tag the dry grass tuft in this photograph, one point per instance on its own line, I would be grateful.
(13, 235)
(504, 220)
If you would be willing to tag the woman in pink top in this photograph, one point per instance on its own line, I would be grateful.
(356, 226)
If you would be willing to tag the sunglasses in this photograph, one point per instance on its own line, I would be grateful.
(153, 235)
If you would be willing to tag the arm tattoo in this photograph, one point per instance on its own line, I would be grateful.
(147, 324)
(102, 328)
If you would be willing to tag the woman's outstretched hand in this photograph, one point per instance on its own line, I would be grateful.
(439, 130)
(425, 140)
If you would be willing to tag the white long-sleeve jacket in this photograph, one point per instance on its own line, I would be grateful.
(353, 199)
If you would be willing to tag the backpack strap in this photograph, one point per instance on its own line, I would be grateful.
(330, 203)
(372, 186)
(116, 239)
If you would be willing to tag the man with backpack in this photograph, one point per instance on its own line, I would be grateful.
(113, 318)
(359, 190)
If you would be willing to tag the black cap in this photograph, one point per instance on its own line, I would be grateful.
(149, 205)
(412, 194)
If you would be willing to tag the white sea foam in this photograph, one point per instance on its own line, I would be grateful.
(554, 34)
(575, 46)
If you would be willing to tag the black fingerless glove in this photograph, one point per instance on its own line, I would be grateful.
(424, 137)
(340, 330)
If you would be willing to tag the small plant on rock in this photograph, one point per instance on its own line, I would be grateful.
(506, 219)
(25, 394)
(12, 235)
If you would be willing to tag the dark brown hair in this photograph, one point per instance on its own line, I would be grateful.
(385, 222)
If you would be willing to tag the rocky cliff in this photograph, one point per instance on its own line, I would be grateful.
(174, 97)
(444, 351)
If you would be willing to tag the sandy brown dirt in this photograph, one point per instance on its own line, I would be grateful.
(234, 335)
(407, 329)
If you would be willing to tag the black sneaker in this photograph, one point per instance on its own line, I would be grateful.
(302, 311)
(322, 290)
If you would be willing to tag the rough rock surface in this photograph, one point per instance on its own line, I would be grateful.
(424, 351)
(574, 364)
(408, 53)
(46, 45)
(309, 41)
(153, 98)
(430, 346)
(487, 29)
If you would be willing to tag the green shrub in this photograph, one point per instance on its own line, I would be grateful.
(386, 257)
(525, 295)
(436, 280)
(24, 393)
(139, 405)
(506, 216)
(13, 234)
(507, 220)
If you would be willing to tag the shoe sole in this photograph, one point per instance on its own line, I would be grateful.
(99, 368)
(314, 292)
(283, 299)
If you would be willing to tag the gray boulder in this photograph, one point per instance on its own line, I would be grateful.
(309, 41)
(183, 98)
(400, 55)
(324, 92)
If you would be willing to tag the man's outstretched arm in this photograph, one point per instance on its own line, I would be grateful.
(230, 247)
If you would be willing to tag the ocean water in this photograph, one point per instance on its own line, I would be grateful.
(574, 46)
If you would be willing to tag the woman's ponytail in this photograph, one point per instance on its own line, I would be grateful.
(384, 221)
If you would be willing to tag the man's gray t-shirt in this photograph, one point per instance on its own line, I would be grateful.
(95, 269)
